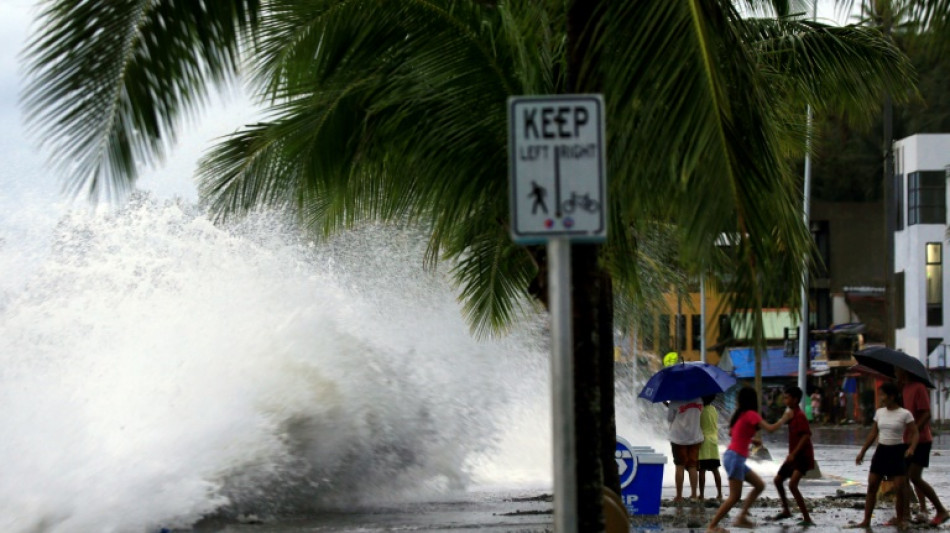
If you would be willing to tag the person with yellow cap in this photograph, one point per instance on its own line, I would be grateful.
(671, 359)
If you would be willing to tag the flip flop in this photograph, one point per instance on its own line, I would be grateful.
(937, 520)
(781, 516)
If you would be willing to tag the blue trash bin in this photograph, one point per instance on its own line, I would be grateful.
(641, 477)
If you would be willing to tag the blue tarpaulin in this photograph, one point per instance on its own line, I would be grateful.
(850, 385)
(774, 363)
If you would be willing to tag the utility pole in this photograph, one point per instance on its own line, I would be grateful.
(803, 355)
(890, 211)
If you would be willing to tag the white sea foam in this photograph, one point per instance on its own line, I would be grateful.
(157, 369)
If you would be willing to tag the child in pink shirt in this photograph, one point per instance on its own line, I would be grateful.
(746, 421)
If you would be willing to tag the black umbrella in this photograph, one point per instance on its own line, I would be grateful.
(883, 359)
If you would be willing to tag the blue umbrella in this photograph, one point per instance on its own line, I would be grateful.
(686, 381)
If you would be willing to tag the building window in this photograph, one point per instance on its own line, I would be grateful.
(934, 274)
(899, 202)
(680, 333)
(697, 332)
(725, 328)
(926, 198)
(932, 344)
(647, 334)
(899, 300)
(664, 335)
(821, 233)
(791, 342)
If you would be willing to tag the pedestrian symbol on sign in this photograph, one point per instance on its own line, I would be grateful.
(538, 193)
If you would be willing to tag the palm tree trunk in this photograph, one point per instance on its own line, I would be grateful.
(592, 299)
(758, 330)
(589, 345)
(608, 415)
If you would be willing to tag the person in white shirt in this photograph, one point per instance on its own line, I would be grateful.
(890, 457)
(686, 436)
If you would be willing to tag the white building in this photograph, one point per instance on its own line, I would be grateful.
(922, 168)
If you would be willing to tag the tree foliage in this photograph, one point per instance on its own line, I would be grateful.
(395, 111)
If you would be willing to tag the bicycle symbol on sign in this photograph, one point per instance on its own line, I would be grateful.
(583, 202)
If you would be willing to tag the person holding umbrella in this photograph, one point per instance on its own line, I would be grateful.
(914, 380)
(686, 436)
(917, 401)
(681, 386)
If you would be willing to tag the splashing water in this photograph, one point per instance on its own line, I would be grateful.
(157, 369)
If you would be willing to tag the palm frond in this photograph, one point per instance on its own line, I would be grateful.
(836, 69)
(380, 114)
(713, 137)
(110, 80)
(395, 111)
(492, 273)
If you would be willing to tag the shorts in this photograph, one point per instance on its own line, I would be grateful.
(686, 455)
(802, 464)
(921, 454)
(735, 465)
(888, 461)
(709, 464)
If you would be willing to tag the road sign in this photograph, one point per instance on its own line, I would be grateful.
(557, 167)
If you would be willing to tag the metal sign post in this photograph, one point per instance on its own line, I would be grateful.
(558, 194)
(562, 386)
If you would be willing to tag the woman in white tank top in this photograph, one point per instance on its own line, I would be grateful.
(890, 457)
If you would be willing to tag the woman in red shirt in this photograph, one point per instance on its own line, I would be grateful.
(746, 421)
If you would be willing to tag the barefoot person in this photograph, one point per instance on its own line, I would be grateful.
(709, 450)
(745, 422)
(889, 459)
(801, 457)
(917, 401)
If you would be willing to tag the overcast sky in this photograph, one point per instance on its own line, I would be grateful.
(23, 173)
(16, 160)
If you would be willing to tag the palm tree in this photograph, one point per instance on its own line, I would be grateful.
(395, 111)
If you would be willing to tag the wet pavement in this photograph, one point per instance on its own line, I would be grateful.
(834, 500)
